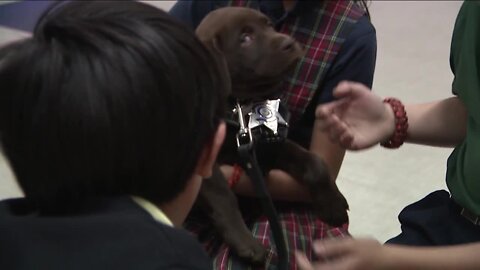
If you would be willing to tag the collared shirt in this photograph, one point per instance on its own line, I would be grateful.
(153, 210)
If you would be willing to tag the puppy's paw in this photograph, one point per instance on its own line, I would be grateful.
(252, 251)
(331, 208)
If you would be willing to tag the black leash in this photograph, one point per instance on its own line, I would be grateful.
(246, 150)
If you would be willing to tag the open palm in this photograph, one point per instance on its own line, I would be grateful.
(358, 119)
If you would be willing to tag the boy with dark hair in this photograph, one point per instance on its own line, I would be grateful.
(110, 116)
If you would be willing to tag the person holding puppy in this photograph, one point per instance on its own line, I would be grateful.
(340, 44)
(97, 112)
(441, 231)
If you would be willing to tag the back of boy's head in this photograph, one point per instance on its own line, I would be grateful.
(106, 99)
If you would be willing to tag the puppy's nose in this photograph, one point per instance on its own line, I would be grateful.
(287, 44)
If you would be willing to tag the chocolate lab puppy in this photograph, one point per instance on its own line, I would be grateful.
(257, 59)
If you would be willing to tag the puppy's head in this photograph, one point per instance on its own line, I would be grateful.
(256, 55)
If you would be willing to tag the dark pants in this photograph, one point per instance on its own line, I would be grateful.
(433, 221)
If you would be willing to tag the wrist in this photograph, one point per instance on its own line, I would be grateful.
(242, 186)
(397, 123)
(389, 126)
(235, 176)
(389, 258)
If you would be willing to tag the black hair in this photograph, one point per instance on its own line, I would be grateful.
(107, 99)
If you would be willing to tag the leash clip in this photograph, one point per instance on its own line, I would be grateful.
(244, 135)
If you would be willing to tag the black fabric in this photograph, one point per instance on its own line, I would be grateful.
(433, 221)
(107, 234)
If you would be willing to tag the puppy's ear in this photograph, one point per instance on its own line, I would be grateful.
(208, 32)
(214, 45)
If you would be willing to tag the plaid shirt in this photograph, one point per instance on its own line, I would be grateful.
(321, 28)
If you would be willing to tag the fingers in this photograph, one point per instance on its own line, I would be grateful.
(346, 140)
(339, 118)
(344, 92)
(325, 249)
(333, 247)
(343, 89)
(338, 264)
(326, 110)
(302, 262)
(347, 88)
(344, 254)
(326, 115)
(336, 129)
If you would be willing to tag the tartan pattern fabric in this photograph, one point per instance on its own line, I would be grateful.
(299, 225)
(322, 37)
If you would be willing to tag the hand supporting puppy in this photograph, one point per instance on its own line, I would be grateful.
(358, 119)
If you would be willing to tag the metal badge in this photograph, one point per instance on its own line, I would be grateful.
(266, 113)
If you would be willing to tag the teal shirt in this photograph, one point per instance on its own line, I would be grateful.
(463, 166)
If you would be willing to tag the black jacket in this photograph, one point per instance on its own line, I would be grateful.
(109, 234)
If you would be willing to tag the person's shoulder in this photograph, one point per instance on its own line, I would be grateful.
(363, 27)
(362, 37)
(180, 246)
(192, 12)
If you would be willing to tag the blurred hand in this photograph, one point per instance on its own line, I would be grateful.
(345, 254)
(358, 119)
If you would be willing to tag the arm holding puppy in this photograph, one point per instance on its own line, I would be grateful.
(280, 184)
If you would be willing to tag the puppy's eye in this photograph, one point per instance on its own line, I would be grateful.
(246, 39)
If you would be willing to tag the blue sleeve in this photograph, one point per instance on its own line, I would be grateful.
(23, 15)
(191, 12)
(355, 60)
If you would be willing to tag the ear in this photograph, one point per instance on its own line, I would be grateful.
(214, 45)
(210, 151)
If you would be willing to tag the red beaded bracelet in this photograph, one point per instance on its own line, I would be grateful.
(235, 177)
(401, 124)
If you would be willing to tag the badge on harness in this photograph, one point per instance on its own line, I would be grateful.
(265, 123)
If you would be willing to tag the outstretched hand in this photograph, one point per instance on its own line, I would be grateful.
(358, 119)
(345, 254)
